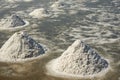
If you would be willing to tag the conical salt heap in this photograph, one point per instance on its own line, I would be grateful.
(20, 46)
(58, 4)
(12, 21)
(16, 21)
(63, 4)
(79, 59)
(40, 13)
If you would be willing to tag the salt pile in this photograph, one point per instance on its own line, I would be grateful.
(13, 21)
(19, 47)
(78, 60)
(59, 6)
(40, 13)
(65, 4)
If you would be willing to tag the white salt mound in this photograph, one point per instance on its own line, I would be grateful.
(79, 59)
(61, 4)
(64, 4)
(58, 4)
(40, 13)
(20, 46)
(13, 21)
(63, 7)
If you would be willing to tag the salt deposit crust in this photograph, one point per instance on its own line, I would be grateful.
(79, 61)
(51, 71)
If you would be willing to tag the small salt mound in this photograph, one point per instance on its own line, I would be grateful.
(13, 21)
(64, 7)
(39, 13)
(20, 46)
(79, 59)
(63, 4)
(59, 5)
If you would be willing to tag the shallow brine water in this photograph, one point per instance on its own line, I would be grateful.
(97, 22)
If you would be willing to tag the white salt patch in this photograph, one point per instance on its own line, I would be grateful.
(79, 60)
(20, 47)
(73, 12)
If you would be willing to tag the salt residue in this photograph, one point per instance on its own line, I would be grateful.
(78, 60)
(14, 1)
(19, 47)
(62, 7)
(59, 4)
(40, 13)
(58, 7)
(13, 22)
(64, 4)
